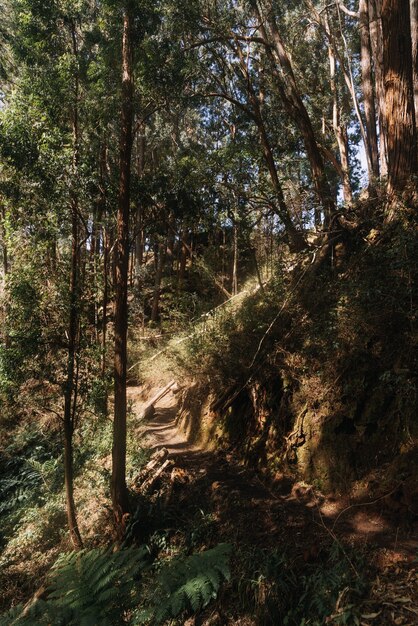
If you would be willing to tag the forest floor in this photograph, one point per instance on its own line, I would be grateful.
(256, 516)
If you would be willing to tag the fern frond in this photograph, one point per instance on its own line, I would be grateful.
(190, 583)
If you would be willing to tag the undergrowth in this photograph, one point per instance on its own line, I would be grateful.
(279, 590)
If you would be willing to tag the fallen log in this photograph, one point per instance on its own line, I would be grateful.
(156, 459)
(149, 482)
(149, 411)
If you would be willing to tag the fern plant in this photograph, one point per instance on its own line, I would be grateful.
(87, 588)
(22, 482)
(101, 587)
(187, 584)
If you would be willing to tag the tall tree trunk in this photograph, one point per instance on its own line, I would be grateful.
(4, 243)
(296, 109)
(159, 268)
(139, 236)
(70, 391)
(295, 238)
(119, 489)
(376, 40)
(105, 299)
(399, 98)
(183, 259)
(414, 35)
(367, 87)
(340, 132)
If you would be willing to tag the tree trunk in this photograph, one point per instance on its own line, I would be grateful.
(139, 236)
(4, 243)
(340, 131)
(183, 259)
(297, 111)
(70, 391)
(70, 387)
(399, 98)
(234, 281)
(159, 268)
(376, 40)
(105, 300)
(367, 87)
(414, 35)
(119, 489)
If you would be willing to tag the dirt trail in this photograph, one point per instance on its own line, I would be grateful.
(285, 509)
(162, 430)
(289, 516)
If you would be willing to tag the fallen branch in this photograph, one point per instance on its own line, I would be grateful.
(149, 483)
(149, 410)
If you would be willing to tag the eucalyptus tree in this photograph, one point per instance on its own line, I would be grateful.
(52, 83)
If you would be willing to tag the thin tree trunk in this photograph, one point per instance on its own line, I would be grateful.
(414, 35)
(70, 391)
(296, 109)
(399, 93)
(234, 289)
(183, 259)
(139, 237)
(4, 243)
(376, 40)
(159, 267)
(340, 132)
(367, 86)
(105, 298)
(119, 489)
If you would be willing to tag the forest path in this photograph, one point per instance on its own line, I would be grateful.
(278, 509)
(162, 430)
(216, 499)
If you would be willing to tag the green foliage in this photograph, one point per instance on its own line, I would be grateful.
(279, 590)
(99, 586)
(88, 588)
(187, 584)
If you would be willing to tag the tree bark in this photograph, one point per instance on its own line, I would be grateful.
(414, 35)
(119, 489)
(70, 391)
(340, 132)
(367, 87)
(296, 109)
(139, 236)
(399, 98)
(4, 243)
(159, 267)
(376, 40)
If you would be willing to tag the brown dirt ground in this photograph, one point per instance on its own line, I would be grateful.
(251, 512)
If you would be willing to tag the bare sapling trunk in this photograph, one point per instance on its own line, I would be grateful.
(4, 242)
(70, 391)
(296, 109)
(139, 235)
(367, 87)
(376, 40)
(119, 489)
(161, 255)
(340, 132)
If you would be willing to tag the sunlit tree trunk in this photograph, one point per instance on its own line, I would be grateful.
(367, 87)
(161, 254)
(414, 35)
(399, 98)
(296, 109)
(119, 489)
(340, 132)
(4, 242)
(139, 235)
(70, 391)
(376, 40)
